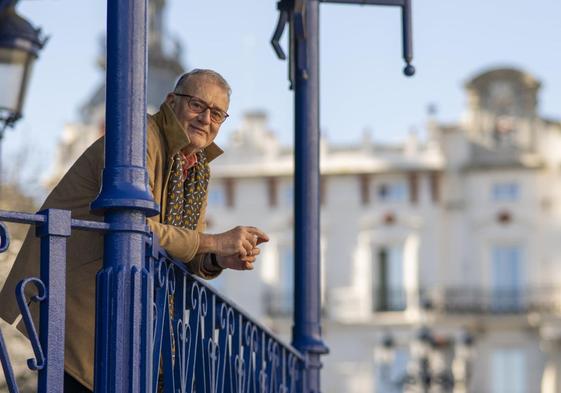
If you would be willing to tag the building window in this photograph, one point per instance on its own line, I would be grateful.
(507, 278)
(388, 289)
(508, 371)
(505, 192)
(392, 192)
(503, 132)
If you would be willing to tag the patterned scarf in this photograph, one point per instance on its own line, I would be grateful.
(185, 201)
(186, 195)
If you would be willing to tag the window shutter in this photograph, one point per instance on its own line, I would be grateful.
(364, 181)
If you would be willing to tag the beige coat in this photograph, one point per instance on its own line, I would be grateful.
(77, 189)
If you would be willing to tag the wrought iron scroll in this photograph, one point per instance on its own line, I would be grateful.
(53, 226)
(205, 343)
(39, 362)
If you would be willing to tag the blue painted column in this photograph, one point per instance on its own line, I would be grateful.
(53, 233)
(122, 309)
(307, 287)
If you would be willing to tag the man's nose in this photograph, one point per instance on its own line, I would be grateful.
(204, 116)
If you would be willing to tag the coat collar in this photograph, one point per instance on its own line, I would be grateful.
(175, 136)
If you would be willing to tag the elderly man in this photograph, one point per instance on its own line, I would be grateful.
(180, 147)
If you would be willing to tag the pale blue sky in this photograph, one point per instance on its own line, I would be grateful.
(362, 84)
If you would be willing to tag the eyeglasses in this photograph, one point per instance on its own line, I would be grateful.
(199, 106)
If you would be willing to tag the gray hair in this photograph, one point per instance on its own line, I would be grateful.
(213, 76)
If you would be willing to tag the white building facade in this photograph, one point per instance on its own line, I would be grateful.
(457, 234)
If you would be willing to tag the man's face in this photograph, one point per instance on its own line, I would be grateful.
(199, 127)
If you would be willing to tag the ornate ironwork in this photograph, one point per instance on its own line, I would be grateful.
(53, 227)
(203, 342)
(39, 362)
(472, 300)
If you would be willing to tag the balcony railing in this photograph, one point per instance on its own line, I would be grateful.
(202, 342)
(48, 291)
(493, 301)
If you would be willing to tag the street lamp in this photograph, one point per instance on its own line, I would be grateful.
(429, 368)
(461, 366)
(20, 44)
(386, 351)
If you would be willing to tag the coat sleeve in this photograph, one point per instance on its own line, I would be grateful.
(180, 243)
(201, 259)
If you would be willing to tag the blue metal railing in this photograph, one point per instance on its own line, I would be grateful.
(53, 227)
(201, 341)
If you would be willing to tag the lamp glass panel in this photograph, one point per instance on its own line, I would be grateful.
(12, 73)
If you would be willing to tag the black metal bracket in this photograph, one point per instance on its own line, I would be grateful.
(285, 7)
(6, 3)
(292, 12)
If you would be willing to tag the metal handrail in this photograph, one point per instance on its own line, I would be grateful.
(212, 345)
(483, 300)
(205, 341)
(53, 227)
(36, 218)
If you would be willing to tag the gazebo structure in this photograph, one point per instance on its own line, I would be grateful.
(155, 322)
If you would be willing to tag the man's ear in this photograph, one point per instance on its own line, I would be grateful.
(170, 100)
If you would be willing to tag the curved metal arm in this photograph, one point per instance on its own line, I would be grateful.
(406, 20)
(285, 7)
(279, 29)
(39, 362)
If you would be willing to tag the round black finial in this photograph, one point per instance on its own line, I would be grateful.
(388, 341)
(468, 339)
(409, 70)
